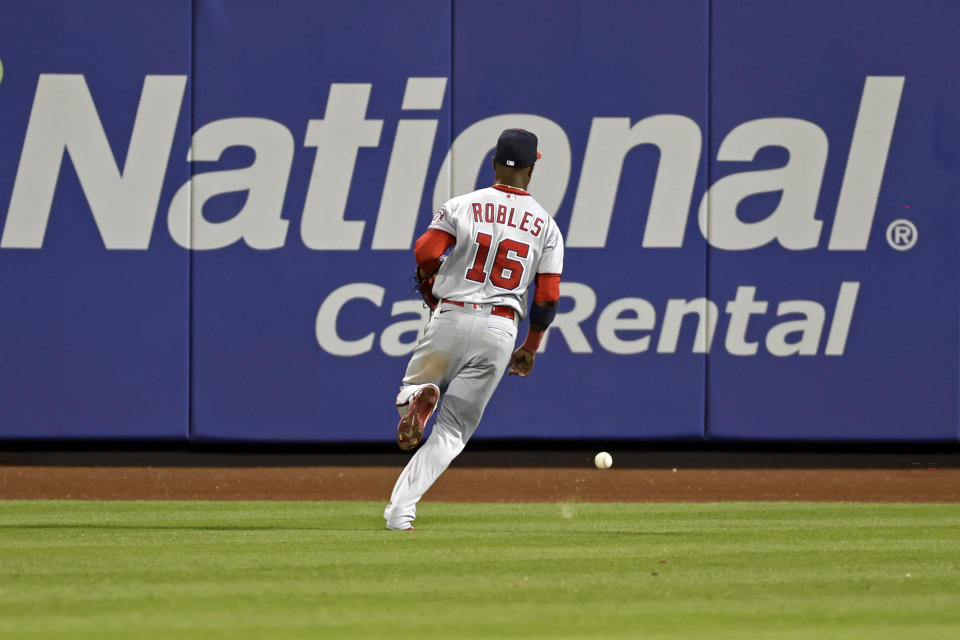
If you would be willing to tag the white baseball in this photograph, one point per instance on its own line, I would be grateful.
(603, 460)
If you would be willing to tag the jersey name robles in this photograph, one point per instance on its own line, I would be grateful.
(504, 238)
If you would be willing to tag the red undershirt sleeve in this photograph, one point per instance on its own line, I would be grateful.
(548, 287)
(430, 246)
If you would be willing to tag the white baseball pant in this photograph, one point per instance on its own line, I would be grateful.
(464, 351)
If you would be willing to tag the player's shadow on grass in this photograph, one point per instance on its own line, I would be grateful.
(554, 532)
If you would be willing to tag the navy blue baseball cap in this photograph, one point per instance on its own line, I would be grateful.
(517, 148)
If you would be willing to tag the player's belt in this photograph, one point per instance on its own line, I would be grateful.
(497, 310)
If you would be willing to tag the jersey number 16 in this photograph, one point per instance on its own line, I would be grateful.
(501, 263)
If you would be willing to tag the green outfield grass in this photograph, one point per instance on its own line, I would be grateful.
(327, 570)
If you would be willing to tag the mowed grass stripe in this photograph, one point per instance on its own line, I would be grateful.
(303, 570)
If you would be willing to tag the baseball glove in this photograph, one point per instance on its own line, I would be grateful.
(425, 286)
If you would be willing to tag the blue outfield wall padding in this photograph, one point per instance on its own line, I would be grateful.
(858, 269)
(93, 293)
(302, 327)
(268, 297)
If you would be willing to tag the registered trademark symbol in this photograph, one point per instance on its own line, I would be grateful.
(902, 235)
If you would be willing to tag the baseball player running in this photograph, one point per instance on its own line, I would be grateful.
(502, 241)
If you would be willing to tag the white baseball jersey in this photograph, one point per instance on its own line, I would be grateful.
(504, 238)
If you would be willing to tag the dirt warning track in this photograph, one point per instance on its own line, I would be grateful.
(478, 484)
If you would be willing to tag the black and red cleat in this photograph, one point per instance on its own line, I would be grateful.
(414, 421)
